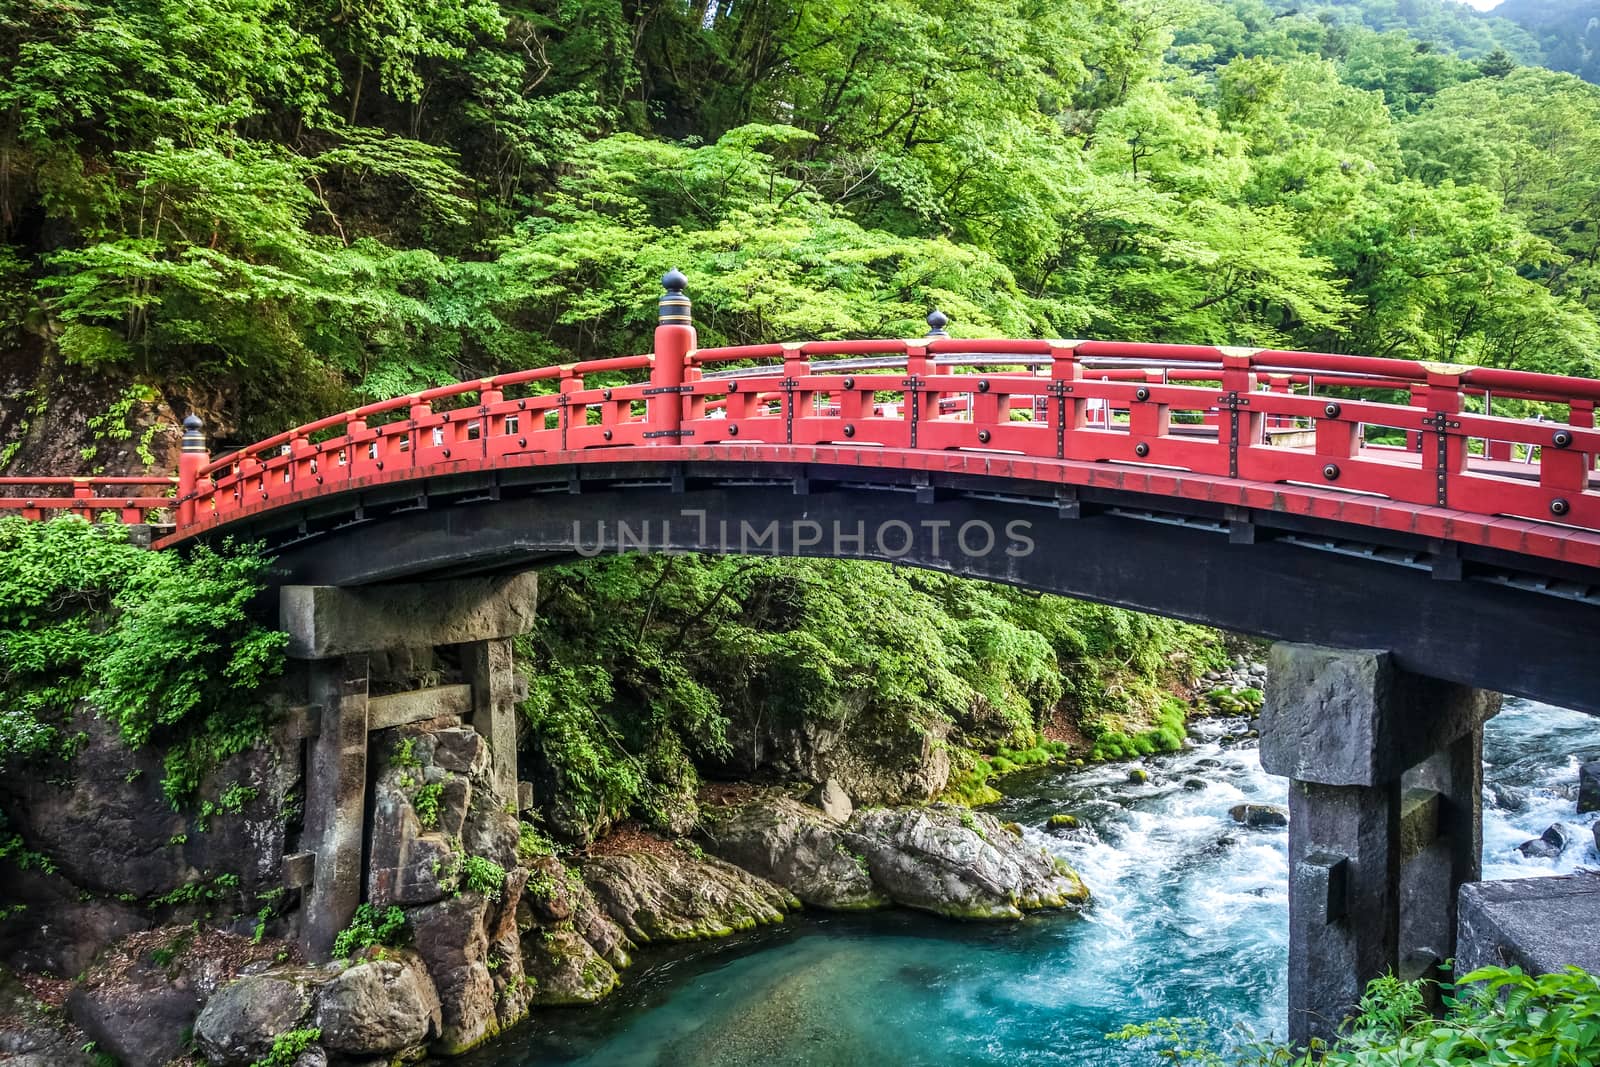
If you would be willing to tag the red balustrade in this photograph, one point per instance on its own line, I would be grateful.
(1381, 442)
(129, 500)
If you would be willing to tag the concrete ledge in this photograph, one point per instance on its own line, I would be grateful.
(323, 621)
(418, 705)
(1539, 924)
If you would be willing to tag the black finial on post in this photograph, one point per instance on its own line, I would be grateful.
(937, 321)
(674, 306)
(194, 438)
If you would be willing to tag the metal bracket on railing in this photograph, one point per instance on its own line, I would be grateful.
(668, 433)
(1233, 402)
(657, 390)
(1439, 424)
(913, 390)
(789, 386)
(1059, 390)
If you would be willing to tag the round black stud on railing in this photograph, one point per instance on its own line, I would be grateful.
(1559, 506)
(1141, 449)
(733, 387)
(849, 383)
(1141, 393)
(733, 429)
(1331, 472)
(849, 431)
(1332, 410)
(606, 393)
(1561, 438)
(983, 385)
(674, 309)
(937, 321)
(606, 434)
(983, 437)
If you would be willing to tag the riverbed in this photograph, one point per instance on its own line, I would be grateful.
(1190, 919)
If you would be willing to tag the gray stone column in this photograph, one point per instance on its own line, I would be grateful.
(336, 797)
(487, 666)
(1376, 856)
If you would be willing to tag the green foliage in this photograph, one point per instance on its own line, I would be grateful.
(480, 875)
(426, 803)
(370, 927)
(161, 646)
(287, 1047)
(1496, 1016)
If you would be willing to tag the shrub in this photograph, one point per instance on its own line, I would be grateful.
(162, 644)
(370, 926)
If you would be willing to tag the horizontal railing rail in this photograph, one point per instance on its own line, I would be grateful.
(1479, 442)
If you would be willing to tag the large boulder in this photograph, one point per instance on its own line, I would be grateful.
(876, 755)
(238, 1024)
(798, 847)
(668, 895)
(141, 1017)
(566, 969)
(1550, 844)
(379, 1007)
(452, 938)
(960, 863)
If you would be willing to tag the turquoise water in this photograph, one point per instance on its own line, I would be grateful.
(1190, 919)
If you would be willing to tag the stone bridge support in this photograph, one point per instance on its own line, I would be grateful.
(1385, 819)
(336, 630)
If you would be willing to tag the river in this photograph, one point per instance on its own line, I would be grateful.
(1190, 919)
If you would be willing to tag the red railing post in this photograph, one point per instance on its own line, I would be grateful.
(675, 339)
(191, 461)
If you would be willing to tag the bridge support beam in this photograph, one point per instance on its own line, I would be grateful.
(337, 630)
(1384, 821)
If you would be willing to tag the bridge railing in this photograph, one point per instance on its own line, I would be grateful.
(1361, 428)
(129, 500)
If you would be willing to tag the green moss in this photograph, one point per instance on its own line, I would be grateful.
(1063, 822)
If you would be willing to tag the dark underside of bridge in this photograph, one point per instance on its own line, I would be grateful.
(1515, 624)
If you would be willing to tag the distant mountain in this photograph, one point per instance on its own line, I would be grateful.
(1568, 32)
(1445, 24)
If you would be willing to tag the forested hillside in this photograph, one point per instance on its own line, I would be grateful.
(1568, 32)
(265, 211)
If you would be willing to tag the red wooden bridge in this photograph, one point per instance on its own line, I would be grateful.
(1448, 471)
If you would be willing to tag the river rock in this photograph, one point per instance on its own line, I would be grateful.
(960, 863)
(1259, 816)
(1506, 798)
(799, 848)
(379, 1007)
(1589, 787)
(833, 800)
(669, 895)
(1193, 785)
(1549, 844)
(566, 969)
(239, 1022)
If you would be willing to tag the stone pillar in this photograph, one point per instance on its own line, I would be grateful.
(336, 795)
(1373, 864)
(488, 669)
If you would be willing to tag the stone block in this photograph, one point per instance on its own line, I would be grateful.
(420, 705)
(325, 621)
(1537, 924)
(1343, 717)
